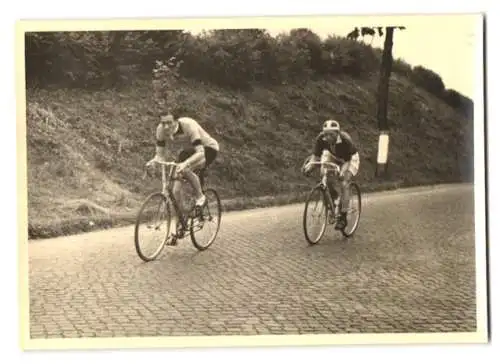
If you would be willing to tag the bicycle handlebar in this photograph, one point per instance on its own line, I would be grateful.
(326, 163)
(340, 160)
(166, 163)
(146, 172)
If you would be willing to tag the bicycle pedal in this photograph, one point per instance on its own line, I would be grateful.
(172, 241)
(344, 225)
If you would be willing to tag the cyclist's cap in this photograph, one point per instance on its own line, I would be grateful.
(331, 125)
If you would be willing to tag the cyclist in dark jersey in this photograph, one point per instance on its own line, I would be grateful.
(331, 145)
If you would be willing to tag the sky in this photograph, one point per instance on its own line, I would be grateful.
(444, 44)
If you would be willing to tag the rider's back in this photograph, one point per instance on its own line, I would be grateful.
(191, 129)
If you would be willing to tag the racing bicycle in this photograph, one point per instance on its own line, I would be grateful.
(327, 208)
(156, 211)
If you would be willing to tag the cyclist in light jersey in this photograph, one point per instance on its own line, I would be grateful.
(200, 154)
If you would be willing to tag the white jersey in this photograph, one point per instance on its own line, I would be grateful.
(190, 131)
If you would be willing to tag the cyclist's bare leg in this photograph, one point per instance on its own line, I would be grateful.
(327, 157)
(333, 186)
(176, 189)
(345, 192)
(194, 180)
(196, 162)
(345, 177)
(348, 171)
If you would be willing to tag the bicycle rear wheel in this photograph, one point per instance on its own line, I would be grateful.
(154, 212)
(353, 211)
(208, 220)
(316, 202)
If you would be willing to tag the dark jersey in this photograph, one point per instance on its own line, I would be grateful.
(344, 150)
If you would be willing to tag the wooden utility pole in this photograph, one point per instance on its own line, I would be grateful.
(383, 102)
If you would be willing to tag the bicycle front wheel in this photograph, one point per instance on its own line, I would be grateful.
(152, 226)
(353, 210)
(205, 225)
(315, 215)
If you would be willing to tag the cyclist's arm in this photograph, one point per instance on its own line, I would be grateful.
(160, 142)
(314, 158)
(352, 148)
(198, 150)
(315, 155)
(319, 146)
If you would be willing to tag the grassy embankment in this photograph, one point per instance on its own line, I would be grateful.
(86, 150)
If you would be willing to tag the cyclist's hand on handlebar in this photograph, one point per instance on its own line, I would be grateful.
(181, 167)
(150, 164)
(154, 160)
(306, 169)
(146, 170)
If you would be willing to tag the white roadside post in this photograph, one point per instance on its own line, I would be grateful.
(383, 151)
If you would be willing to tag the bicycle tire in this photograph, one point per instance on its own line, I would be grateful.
(215, 198)
(304, 218)
(140, 252)
(358, 194)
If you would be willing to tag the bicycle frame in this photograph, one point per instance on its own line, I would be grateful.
(324, 177)
(167, 180)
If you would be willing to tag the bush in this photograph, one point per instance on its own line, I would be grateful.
(165, 82)
(70, 59)
(349, 57)
(229, 58)
(234, 59)
(428, 80)
(402, 68)
(93, 59)
(460, 102)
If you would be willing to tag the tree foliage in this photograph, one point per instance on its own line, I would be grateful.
(233, 58)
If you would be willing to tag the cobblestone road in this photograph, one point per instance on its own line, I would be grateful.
(409, 268)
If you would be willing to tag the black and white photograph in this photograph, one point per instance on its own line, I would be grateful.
(262, 181)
